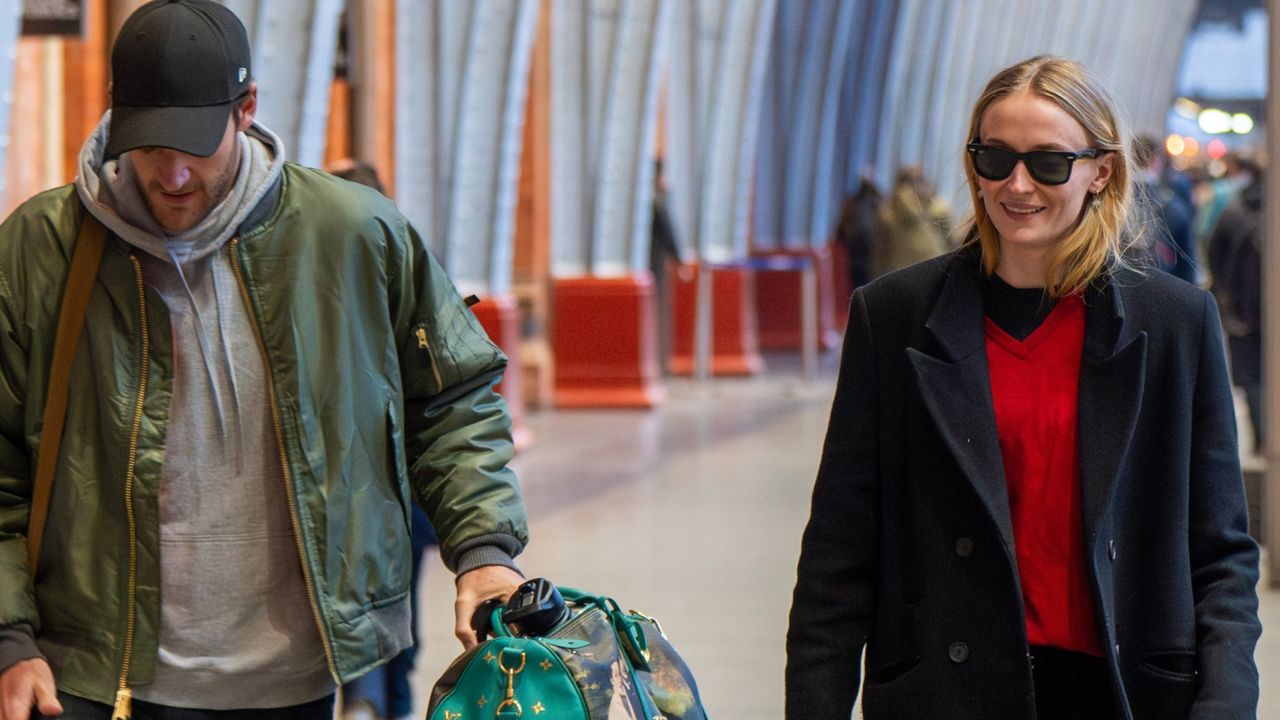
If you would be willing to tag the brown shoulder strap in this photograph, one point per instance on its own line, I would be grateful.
(84, 267)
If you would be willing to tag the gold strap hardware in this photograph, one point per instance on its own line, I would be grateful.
(510, 699)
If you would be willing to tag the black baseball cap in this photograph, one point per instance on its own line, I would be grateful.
(177, 68)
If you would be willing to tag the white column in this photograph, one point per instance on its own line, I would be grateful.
(622, 211)
(571, 146)
(10, 23)
(486, 138)
(461, 85)
(683, 73)
(421, 150)
(803, 133)
(827, 184)
(867, 100)
(1164, 57)
(293, 45)
(895, 89)
(948, 111)
(605, 62)
(732, 130)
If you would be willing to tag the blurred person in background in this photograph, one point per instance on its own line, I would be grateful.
(1216, 194)
(856, 228)
(1213, 194)
(1235, 263)
(1164, 195)
(664, 251)
(912, 225)
(1029, 503)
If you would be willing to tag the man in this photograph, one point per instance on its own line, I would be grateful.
(664, 249)
(856, 229)
(1235, 264)
(269, 360)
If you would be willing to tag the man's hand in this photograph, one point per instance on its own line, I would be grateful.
(25, 685)
(474, 587)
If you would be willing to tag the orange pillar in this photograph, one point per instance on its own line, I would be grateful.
(605, 343)
(734, 347)
(778, 303)
(373, 89)
(35, 160)
(86, 67)
(841, 281)
(500, 317)
(338, 132)
(531, 257)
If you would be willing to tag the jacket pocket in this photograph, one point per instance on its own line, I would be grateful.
(397, 468)
(887, 672)
(1164, 685)
(1177, 665)
(892, 650)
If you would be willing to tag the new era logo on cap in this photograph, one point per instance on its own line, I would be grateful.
(177, 68)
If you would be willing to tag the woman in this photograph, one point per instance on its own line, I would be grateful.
(1029, 503)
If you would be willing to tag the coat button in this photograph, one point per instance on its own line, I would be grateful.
(964, 547)
(1111, 550)
(958, 652)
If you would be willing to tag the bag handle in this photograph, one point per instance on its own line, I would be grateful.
(75, 298)
(626, 626)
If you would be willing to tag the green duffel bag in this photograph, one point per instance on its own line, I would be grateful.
(600, 664)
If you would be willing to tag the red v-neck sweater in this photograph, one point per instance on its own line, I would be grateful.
(1034, 386)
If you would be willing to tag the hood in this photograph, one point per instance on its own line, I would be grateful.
(109, 191)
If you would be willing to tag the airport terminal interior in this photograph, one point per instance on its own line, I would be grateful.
(671, 391)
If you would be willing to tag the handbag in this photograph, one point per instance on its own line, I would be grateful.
(600, 664)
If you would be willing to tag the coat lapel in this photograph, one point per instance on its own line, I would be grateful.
(956, 387)
(1112, 376)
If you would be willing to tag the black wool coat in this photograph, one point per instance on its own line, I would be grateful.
(909, 548)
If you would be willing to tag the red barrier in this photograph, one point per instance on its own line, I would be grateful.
(605, 343)
(500, 317)
(778, 303)
(734, 349)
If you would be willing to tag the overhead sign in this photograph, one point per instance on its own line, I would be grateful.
(52, 17)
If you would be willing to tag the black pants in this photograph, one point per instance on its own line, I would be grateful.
(1246, 372)
(1072, 686)
(75, 708)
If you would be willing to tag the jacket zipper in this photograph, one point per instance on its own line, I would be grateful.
(124, 696)
(290, 490)
(426, 357)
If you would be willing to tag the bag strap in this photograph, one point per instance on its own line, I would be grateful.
(75, 298)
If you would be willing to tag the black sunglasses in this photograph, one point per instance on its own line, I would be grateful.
(1049, 167)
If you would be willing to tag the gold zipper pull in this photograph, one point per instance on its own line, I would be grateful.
(425, 359)
(124, 705)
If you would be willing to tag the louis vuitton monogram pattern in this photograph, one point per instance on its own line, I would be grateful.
(579, 672)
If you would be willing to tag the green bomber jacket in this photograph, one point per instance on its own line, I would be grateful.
(380, 384)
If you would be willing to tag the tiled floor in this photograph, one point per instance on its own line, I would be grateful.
(693, 513)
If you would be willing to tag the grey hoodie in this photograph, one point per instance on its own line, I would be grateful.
(236, 626)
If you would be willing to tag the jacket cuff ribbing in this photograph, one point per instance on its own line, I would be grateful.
(482, 555)
(17, 643)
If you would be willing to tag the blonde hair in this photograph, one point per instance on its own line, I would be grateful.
(1098, 243)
